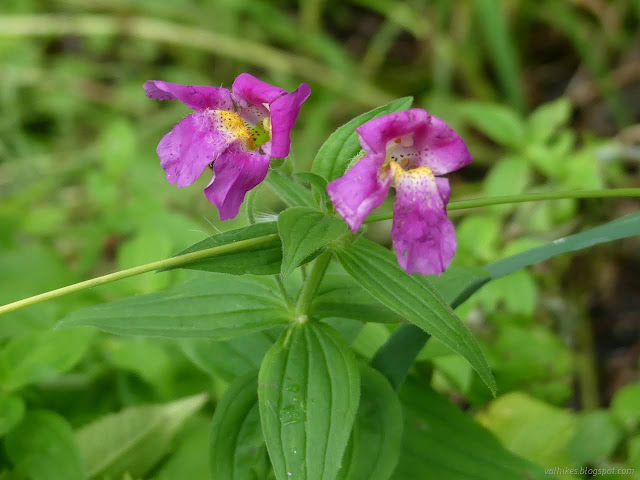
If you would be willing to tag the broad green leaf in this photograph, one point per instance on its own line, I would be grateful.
(230, 358)
(303, 232)
(596, 438)
(238, 450)
(342, 146)
(509, 176)
(211, 305)
(625, 406)
(135, 439)
(42, 447)
(340, 296)
(318, 185)
(499, 123)
(291, 192)
(444, 443)
(545, 121)
(623, 227)
(40, 356)
(377, 270)
(11, 412)
(262, 259)
(190, 460)
(530, 428)
(308, 391)
(374, 446)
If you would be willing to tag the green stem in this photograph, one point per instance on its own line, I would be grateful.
(130, 272)
(211, 252)
(283, 290)
(526, 197)
(311, 285)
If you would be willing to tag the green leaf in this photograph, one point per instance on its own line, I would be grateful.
(444, 443)
(318, 184)
(509, 176)
(211, 305)
(308, 391)
(377, 270)
(545, 121)
(238, 450)
(340, 296)
(230, 358)
(397, 355)
(291, 192)
(305, 231)
(11, 412)
(135, 439)
(42, 447)
(625, 406)
(596, 438)
(530, 428)
(190, 461)
(42, 355)
(499, 123)
(342, 146)
(262, 259)
(374, 446)
(623, 227)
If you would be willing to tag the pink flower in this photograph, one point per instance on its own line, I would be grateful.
(407, 150)
(237, 131)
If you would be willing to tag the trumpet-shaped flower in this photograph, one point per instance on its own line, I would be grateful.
(407, 150)
(237, 132)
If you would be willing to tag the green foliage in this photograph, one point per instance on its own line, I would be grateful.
(308, 392)
(133, 440)
(342, 146)
(305, 232)
(376, 269)
(212, 305)
(374, 445)
(42, 447)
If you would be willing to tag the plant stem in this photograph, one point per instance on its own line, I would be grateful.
(311, 284)
(526, 197)
(211, 252)
(130, 272)
(283, 290)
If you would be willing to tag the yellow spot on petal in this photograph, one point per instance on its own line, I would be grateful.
(238, 129)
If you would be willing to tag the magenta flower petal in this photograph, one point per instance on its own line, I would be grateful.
(236, 172)
(423, 236)
(255, 91)
(377, 133)
(284, 113)
(444, 150)
(443, 189)
(193, 96)
(360, 190)
(189, 147)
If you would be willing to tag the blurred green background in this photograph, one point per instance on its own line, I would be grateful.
(546, 93)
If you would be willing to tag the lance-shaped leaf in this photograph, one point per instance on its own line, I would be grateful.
(374, 446)
(261, 259)
(304, 231)
(308, 391)
(433, 447)
(340, 296)
(290, 192)
(238, 450)
(337, 152)
(318, 185)
(377, 270)
(211, 305)
(623, 227)
(135, 439)
(42, 447)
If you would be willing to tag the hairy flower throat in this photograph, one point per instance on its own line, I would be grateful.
(252, 136)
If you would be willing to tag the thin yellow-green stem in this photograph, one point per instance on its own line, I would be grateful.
(527, 197)
(177, 261)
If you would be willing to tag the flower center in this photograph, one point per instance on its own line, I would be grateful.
(402, 152)
(412, 175)
(252, 136)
